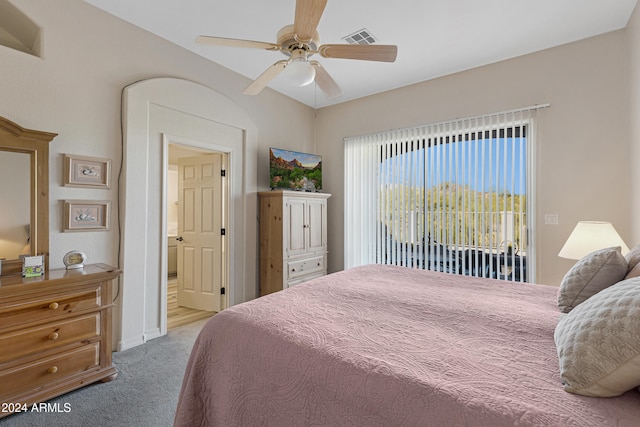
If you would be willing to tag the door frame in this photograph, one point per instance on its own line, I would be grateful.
(150, 108)
(227, 216)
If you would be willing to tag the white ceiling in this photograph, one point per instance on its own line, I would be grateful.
(434, 37)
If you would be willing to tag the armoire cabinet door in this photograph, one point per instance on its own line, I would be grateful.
(316, 225)
(295, 226)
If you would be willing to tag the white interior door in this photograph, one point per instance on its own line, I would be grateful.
(200, 240)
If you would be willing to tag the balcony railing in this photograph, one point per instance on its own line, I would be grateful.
(483, 244)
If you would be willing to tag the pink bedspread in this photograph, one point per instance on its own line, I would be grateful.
(389, 346)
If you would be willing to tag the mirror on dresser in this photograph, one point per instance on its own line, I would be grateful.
(24, 194)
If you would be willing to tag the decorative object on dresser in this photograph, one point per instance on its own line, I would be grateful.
(83, 171)
(293, 238)
(74, 259)
(33, 266)
(55, 333)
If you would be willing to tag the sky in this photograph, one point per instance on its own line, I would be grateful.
(500, 166)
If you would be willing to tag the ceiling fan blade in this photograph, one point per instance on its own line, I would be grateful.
(325, 82)
(378, 52)
(308, 14)
(264, 78)
(222, 41)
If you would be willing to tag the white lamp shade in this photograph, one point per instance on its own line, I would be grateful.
(589, 236)
(300, 72)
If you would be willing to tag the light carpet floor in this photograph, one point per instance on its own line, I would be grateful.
(145, 393)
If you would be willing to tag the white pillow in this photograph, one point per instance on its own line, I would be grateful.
(598, 343)
(593, 273)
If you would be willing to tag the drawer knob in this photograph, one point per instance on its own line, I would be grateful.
(52, 370)
(53, 336)
(53, 306)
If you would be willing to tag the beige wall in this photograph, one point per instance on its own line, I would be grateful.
(583, 155)
(633, 49)
(75, 89)
(583, 138)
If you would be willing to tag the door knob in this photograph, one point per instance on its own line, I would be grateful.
(179, 239)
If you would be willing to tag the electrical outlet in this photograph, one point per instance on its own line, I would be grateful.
(551, 219)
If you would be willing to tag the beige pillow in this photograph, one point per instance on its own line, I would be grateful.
(633, 256)
(593, 273)
(598, 343)
(634, 272)
(633, 261)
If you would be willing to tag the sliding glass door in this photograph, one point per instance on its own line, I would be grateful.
(452, 197)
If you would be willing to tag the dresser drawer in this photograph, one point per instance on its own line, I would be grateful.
(40, 338)
(305, 266)
(44, 371)
(49, 308)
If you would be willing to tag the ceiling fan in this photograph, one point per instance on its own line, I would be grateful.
(299, 42)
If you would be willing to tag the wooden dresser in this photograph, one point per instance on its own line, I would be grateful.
(293, 238)
(55, 333)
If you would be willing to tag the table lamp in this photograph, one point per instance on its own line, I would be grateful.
(589, 236)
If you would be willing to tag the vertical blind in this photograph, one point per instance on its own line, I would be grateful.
(453, 196)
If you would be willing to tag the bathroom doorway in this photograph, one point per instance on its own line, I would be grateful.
(196, 215)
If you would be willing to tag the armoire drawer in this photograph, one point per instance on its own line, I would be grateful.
(44, 371)
(292, 283)
(49, 307)
(305, 266)
(41, 338)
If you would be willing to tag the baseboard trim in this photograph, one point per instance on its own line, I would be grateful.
(130, 343)
(155, 333)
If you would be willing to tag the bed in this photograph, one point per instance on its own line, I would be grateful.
(390, 346)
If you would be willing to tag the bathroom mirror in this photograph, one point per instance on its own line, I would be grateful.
(25, 154)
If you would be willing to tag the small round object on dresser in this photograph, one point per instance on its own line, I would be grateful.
(74, 259)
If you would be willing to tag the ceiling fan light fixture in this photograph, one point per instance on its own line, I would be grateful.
(299, 42)
(300, 72)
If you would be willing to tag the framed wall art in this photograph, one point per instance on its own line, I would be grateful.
(82, 171)
(86, 215)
